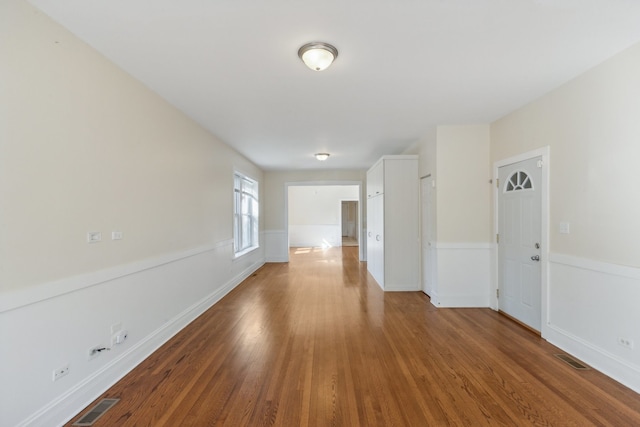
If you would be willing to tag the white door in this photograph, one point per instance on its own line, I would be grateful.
(370, 240)
(426, 228)
(520, 233)
(375, 236)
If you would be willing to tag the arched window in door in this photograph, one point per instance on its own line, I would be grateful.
(519, 180)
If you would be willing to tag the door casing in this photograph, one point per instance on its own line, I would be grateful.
(426, 233)
(544, 153)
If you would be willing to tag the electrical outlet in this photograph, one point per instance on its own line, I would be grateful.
(625, 342)
(119, 337)
(60, 372)
(95, 351)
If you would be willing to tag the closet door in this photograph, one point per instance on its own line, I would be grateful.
(377, 238)
(370, 235)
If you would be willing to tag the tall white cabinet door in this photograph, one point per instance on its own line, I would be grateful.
(393, 255)
(370, 236)
(377, 270)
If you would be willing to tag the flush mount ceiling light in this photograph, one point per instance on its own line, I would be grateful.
(322, 156)
(318, 55)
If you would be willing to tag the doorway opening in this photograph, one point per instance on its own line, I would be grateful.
(323, 215)
(349, 216)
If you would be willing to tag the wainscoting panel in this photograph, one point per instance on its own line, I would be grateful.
(592, 306)
(462, 274)
(276, 246)
(152, 300)
(329, 235)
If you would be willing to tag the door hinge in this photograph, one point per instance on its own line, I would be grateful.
(497, 293)
(497, 238)
(497, 182)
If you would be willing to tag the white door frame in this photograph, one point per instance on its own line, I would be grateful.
(543, 152)
(361, 249)
(426, 270)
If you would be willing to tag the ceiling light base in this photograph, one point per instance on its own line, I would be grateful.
(318, 55)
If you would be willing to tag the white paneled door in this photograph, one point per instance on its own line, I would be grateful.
(376, 236)
(520, 233)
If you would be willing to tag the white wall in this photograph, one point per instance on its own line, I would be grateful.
(84, 147)
(315, 214)
(592, 129)
(457, 157)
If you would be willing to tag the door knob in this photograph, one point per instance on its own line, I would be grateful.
(535, 258)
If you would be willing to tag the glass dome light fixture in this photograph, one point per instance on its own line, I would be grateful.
(322, 156)
(318, 55)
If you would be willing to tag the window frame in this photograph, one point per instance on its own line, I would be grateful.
(246, 214)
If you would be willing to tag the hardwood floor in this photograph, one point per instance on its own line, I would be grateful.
(316, 343)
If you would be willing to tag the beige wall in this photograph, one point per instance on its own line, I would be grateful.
(84, 147)
(274, 206)
(427, 150)
(464, 191)
(592, 125)
(457, 157)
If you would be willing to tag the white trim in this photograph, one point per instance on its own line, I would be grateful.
(67, 405)
(446, 245)
(33, 294)
(459, 301)
(545, 154)
(395, 157)
(543, 151)
(598, 358)
(598, 266)
(244, 252)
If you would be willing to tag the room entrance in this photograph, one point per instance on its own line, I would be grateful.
(520, 239)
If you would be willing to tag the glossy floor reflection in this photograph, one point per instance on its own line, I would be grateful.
(315, 342)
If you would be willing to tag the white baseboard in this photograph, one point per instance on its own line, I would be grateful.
(591, 305)
(460, 301)
(69, 404)
(402, 288)
(598, 358)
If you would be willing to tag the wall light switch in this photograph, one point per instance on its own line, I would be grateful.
(564, 228)
(94, 236)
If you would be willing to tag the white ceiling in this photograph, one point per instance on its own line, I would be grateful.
(404, 66)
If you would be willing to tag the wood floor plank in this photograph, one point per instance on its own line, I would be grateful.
(315, 342)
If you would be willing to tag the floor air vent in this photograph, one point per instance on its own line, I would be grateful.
(96, 412)
(571, 362)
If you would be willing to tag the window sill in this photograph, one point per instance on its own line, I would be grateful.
(245, 252)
